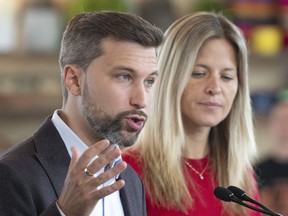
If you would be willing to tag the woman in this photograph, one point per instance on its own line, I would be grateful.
(200, 133)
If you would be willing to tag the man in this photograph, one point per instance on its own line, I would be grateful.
(108, 66)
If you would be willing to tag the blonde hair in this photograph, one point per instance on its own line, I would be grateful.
(232, 144)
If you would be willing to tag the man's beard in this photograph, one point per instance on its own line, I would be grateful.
(106, 126)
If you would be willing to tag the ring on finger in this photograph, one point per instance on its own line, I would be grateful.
(87, 172)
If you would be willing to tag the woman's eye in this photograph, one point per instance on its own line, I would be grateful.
(198, 74)
(227, 77)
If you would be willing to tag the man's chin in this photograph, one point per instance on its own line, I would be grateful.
(128, 139)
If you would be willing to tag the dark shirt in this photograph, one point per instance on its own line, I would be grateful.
(269, 172)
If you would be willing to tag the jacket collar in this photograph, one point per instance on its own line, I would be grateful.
(52, 154)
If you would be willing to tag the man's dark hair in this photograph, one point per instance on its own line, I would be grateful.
(81, 42)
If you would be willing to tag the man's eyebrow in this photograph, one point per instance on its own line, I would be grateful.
(131, 70)
(154, 73)
(124, 68)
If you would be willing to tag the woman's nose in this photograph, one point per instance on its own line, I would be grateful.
(213, 86)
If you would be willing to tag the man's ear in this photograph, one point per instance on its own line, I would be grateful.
(73, 78)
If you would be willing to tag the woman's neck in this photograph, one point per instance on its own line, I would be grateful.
(196, 144)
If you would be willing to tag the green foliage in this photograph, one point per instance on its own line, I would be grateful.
(218, 6)
(77, 6)
(205, 5)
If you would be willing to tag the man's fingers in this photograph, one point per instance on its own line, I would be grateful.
(107, 175)
(105, 191)
(74, 158)
(91, 152)
(104, 159)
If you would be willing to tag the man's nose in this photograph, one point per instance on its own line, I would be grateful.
(139, 96)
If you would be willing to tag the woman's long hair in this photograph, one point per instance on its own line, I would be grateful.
(161, 143)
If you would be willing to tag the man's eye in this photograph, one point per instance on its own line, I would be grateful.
(149, 82)
(124, 77)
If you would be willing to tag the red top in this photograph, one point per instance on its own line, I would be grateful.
(206, 204)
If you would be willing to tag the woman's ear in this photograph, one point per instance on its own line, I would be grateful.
(73, 78)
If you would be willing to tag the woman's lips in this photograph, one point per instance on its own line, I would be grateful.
(211, 105)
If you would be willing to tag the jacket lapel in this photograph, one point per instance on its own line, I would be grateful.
(52, 154)
(132, 194)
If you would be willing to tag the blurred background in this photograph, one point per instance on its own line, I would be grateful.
(30, 33)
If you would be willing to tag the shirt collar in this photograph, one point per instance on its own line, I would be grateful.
(68, 136)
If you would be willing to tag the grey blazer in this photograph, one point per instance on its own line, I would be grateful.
(32, 175)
